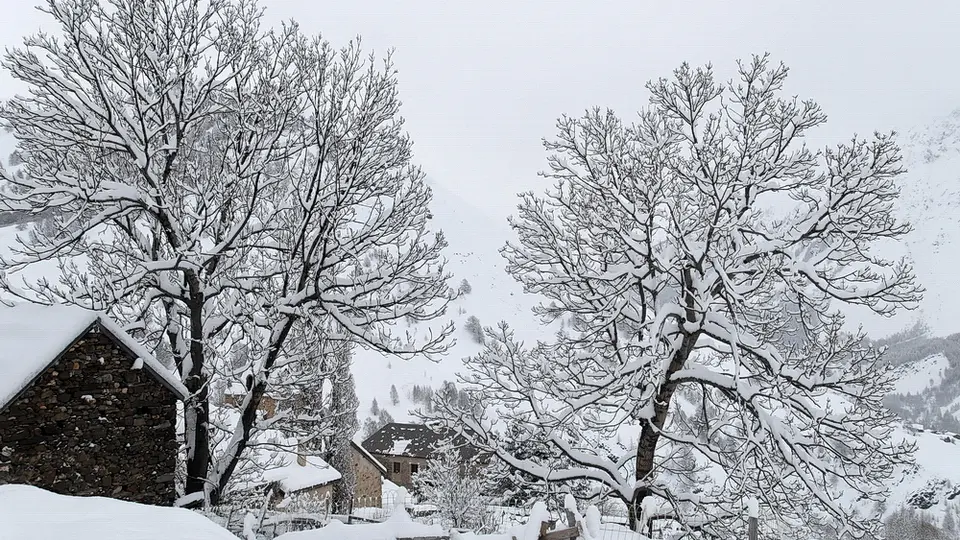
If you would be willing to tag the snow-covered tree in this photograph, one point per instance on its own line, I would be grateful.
(212, 182)
(949, 522)
(394, 396)
(473, 327)
(701, 254)
(455, 487)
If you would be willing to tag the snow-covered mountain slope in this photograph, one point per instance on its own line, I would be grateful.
(930, 202)
(918, 376)
(473, 255)
(933, 484)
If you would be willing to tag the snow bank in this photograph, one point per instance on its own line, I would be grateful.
(30, 513)
(388, 530)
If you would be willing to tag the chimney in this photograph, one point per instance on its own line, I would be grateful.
(301, 455)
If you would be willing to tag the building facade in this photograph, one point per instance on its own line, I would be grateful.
(405, 449)
(96, 418)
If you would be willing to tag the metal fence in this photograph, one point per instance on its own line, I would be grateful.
(267, 524)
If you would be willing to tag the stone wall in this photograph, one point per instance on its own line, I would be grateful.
(268, 405)
(91, 425)
(369, 481)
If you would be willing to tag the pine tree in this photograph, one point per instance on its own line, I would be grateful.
(375, 407)
(950, 523)
(394, 396)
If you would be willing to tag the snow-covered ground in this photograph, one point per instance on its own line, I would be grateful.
(934, 484)
(398, 525)
(30, 513)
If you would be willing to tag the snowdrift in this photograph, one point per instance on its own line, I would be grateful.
(398, 525)
(30, 513)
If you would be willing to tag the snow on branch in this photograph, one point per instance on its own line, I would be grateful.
(216, 182)
(699, 256)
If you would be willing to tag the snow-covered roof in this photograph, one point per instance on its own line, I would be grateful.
(294, 477)
(31, 513)
(414, 440)
(33, 336)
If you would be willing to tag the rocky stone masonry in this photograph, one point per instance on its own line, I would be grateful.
(369, 481)
(91, 425)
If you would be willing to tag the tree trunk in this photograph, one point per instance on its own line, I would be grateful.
(196, 421)
(197, 418)
(247, 419)
(650, 433)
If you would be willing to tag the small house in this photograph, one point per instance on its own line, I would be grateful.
(306, 479)
(84, 408)
(293, 476)
(405, 449)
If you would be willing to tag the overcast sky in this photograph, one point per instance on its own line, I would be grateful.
(482, 82)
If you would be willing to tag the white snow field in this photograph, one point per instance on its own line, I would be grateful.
(916, 377)
(30, 513)
(398, 525)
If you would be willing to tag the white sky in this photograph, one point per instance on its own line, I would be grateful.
(483, 82)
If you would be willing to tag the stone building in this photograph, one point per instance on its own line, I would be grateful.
(404, 449)
(84, 408)
(369, 474)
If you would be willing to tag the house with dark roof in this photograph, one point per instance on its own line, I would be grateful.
(404, 449)
(84, 408)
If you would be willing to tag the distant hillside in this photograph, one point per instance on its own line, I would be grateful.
(930, 202)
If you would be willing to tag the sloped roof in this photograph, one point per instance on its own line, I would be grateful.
(293, 477)
(413, 440)
(33, 337)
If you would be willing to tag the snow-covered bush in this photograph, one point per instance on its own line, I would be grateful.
(455, 487)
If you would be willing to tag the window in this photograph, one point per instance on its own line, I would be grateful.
(414, 468)
(396, 467)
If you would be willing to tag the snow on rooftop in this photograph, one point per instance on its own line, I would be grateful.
(294, 477)
(31, 513)
(32, 336)
(399, 447)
